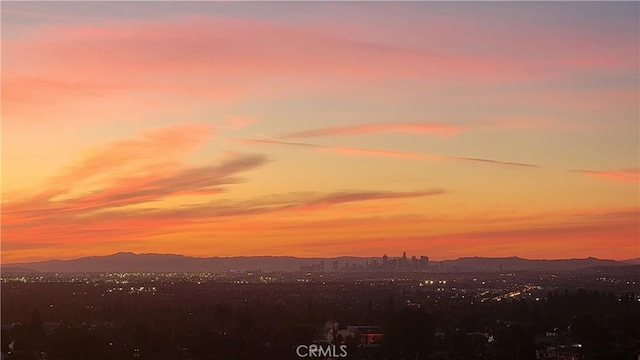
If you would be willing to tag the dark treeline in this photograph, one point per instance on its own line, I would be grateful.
(267, 321)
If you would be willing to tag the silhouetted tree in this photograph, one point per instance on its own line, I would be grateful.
(408, 335)
(223, 311)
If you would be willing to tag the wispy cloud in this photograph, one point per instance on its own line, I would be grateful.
(533, 242)
(386, 153)
(203, 62)
(630, 174)
(132, 190)
(129, 171)
(288, 203)
(149, 153)
(535, 235)
(122, 191)
(112, 215)
(411, 128)
(122, 51)
(150, 145)
(358, 196)
(78, 224)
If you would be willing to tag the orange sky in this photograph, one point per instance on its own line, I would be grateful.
(320, 129)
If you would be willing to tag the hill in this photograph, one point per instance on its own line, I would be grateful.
(130, 262)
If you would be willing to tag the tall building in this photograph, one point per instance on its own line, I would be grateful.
(424, 262)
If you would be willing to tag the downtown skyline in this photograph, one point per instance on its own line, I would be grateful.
(320, 129)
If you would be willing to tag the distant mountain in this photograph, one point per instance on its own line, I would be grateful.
(626, 270)
(130, 262)
(16, 270)
(635, 261)
(516, 263)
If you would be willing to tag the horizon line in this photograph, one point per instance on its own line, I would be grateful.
(311, 258)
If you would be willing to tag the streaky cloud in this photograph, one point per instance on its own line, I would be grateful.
(79, 224)
(133, 190)
(492, 161)
(288, 203)
(626, 175)
(389, 153)
(411, 128)
(148, 146)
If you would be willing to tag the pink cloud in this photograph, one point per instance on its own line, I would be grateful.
(151, 145)
(347, 197)
(221, 59)
(385, 153)
(631, 174)
(89, 218)
(135, 190)
(542, 235)
(143, 170)
(153, 153)
(413, 128)
(78, 220)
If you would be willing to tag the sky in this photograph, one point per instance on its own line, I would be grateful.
(320, 129)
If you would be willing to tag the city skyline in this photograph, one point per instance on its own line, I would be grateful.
(320, 129)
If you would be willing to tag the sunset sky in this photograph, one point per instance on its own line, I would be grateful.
(320, 129)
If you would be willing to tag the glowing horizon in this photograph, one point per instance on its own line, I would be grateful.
(320, 129)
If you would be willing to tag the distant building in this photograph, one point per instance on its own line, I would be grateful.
(424, 262)
(312, 268)
(404, 264)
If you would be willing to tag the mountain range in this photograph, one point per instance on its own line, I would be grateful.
(130, 262)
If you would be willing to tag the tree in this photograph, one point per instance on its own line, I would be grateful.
(222, 313)
(408, 335)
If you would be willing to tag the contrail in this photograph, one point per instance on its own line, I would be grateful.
(380, 152)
